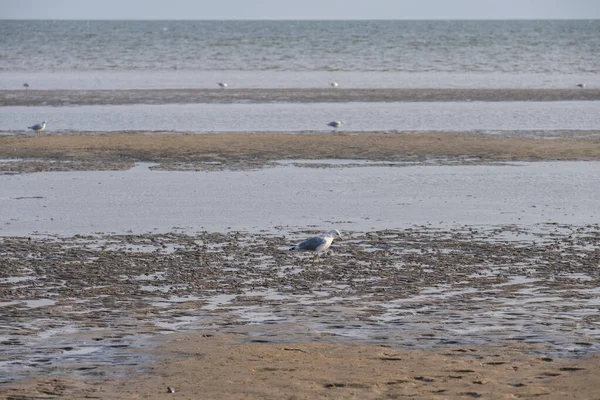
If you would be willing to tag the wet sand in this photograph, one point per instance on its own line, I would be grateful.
(421, 312)
(463, 312)
(190, 96)
(218, 151)
(199, 366)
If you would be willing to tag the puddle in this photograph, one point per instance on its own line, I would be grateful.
(143, 166)
(16, 279)
(518, 280)
(578, 276)
(37, 303)
(82, 351)
(161, 288)
(150, 277)
(260, 317)
(176, 324)
(332, 162)
(216, 302)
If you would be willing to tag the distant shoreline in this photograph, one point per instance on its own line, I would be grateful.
(316, 95)
(298, 19)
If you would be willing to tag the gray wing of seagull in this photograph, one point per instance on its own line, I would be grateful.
(310, 244)
(36, 127)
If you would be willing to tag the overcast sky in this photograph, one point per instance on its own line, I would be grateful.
(299, 9)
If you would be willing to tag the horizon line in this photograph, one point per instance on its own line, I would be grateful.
(301, 19)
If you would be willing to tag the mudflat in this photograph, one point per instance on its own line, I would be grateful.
(189, 96)
(418, 312)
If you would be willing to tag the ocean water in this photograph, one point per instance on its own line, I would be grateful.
(88, 55)
(101, 54)
(489, 117)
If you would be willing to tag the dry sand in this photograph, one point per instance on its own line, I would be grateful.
(198, 366)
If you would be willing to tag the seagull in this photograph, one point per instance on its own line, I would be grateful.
(581, 85)
(26, 85)
(335, 124)
(222, 84)
(37, 127)
(333, 84)
(319, 243)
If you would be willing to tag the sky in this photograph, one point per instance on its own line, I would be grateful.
(299, 9)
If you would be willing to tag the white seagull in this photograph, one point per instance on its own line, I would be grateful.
(335, 124)
(319, 243)
(581, 85)
(222, 84)
(37, 127)
(334, 84)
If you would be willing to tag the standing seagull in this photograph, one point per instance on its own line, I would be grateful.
(319, 243)
(334, 84)
(335, 124)
(26, 85)
(37, 127)
(222, 84)
(581, 85)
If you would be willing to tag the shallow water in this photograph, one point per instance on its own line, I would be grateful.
(354, 198)
(282, 117)
(89, 80)
(274, 54)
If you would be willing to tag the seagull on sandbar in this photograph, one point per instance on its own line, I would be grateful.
(319, 243)
(581, 85)
(335, 124)
(26, 85)
(38, 127)
(222, 84)
(334, 84)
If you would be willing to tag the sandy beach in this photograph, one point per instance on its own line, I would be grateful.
(504, 307)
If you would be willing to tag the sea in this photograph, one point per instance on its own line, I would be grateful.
(126, 55)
